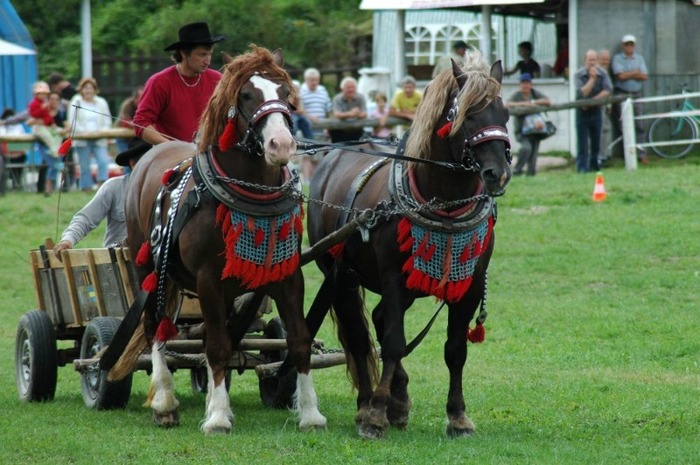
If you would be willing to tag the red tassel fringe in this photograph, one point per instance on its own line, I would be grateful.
(228, 138)
(65, 147)
(168, 177)
(144, 256)
(150, 282)
(478, 334)
(166, 330)
(445, 130)
(337, 251)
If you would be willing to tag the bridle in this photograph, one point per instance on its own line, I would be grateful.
(482, 135)
(252, 142)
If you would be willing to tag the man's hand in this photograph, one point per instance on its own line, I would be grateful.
(63, 245)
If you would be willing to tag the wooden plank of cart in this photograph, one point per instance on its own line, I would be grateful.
(82, 299)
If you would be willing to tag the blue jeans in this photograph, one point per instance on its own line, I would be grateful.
(302, 123)
(589, 124)
(53, 164)
(84, 157)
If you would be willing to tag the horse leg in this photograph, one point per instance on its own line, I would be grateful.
(355, 337)
(161, 395)
(218, 415)
(458, 424)
(375, 421)
(400, 404)
(289, 300)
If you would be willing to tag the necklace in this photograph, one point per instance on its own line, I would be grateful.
(182, 78)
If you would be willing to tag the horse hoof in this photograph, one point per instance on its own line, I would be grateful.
(460, 429)
(367, 431)
(312, 428)
(398, 413)
(166, 419)
(218, 430)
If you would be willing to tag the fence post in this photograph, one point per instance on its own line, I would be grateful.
(629, 137)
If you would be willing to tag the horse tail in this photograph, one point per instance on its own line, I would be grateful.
(351, 321)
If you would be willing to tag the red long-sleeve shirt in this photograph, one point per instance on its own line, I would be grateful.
(39, 109)
(172, 107)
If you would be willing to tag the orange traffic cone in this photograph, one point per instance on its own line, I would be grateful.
(599, 193)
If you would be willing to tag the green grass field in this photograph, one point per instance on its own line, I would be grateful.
(591, 352)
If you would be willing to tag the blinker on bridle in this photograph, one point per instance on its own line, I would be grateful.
(252, 142)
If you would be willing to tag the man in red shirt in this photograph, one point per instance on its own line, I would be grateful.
(174, 99)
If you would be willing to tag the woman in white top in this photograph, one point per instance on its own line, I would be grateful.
(88, 113)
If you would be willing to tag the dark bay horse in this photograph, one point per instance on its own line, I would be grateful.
(243, 231)
(434, 236)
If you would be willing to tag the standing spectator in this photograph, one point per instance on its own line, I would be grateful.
(62, 86)
(591, 83)
(348, 105)
(89, 112)
(606, 131)
(381, 112)
(459, 50)
(630, 72)
(314, 96)
(45, 129)
(126, 116)
(527, 96)
(561, 64)
(526, 64)
(174, 99)
(406, 100)
(59, 111)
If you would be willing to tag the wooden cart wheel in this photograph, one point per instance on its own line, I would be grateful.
(199, 379)
(36, 361)
(270, 387)
(97, 391)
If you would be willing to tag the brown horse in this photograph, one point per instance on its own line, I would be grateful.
(242, 231)
(434, 236)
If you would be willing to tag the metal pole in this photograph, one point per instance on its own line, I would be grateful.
(86, 38)
(485, 38)
(629, 138)
(400, 58)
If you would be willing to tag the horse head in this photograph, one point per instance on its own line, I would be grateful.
(249, 110)
(463, 117)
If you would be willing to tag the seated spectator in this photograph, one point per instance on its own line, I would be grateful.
(381, 112)
(12, 152)
(348, 105)
(406, 100)
(527, 65)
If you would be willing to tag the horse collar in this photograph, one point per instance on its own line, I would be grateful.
(236, 197)
(413, 207)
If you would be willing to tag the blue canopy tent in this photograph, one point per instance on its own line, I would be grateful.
(18, 63)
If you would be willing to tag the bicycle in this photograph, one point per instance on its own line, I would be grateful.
(682, 128)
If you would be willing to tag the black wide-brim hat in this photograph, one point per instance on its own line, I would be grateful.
(137, 148)
(195, 34)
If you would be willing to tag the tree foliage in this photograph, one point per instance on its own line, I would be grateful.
(321, 33)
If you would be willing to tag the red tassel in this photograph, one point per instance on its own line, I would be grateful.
(404, 230)
(166, 330)
(284, 230)
(221, 214)
(228, 138)
(445, 130)
(478, 334)
(65, 147)
(298, 225)
(337, 250)
(144, 255)
(429, 253)
(168, 177)
(150, 282)
(259, 236)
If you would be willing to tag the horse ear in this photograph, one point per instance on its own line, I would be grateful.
(279, 57)
(227, 58)
(458, 74)
(497, 71)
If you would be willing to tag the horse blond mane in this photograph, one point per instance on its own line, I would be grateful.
(236, 73)
(480, 88)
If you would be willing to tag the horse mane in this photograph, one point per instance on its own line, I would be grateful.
(234, 74)
(479, 89)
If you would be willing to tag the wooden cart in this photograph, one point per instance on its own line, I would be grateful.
(82, 298)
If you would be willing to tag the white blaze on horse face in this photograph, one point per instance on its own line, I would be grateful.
(279, 142)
